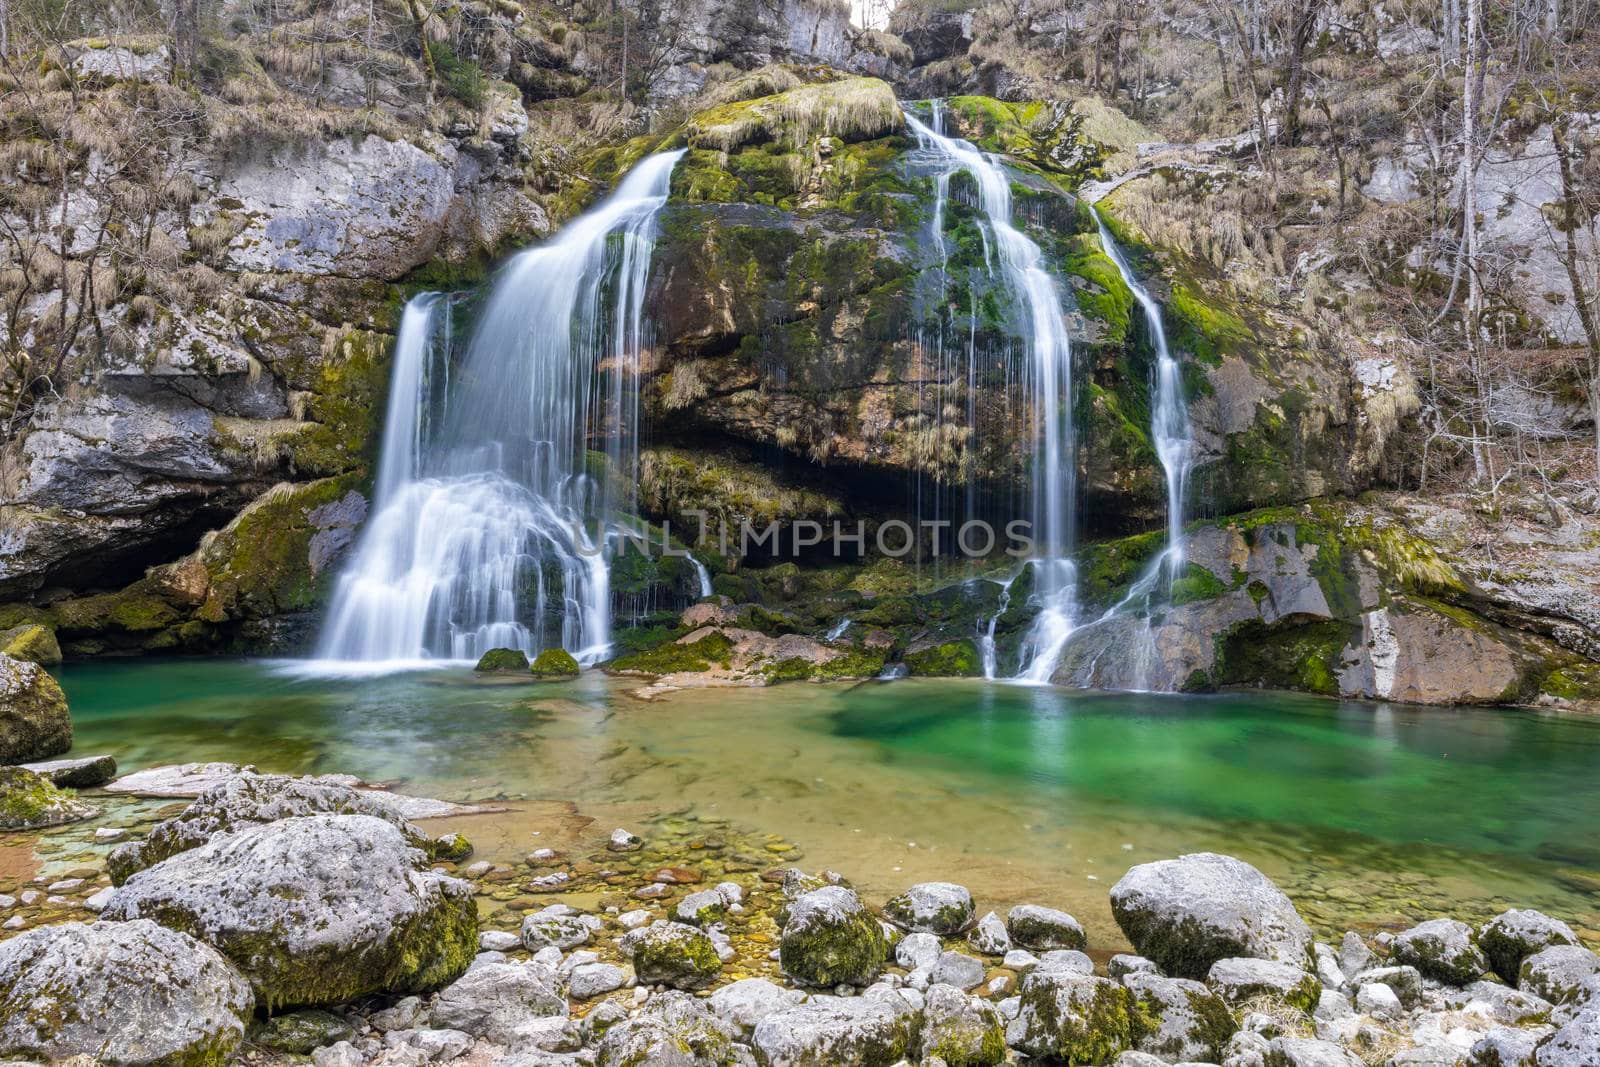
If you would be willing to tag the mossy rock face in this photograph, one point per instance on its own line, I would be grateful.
(308, 932)
(679, 656)
(120, 993)
(29, 801)
(830, 939)
(1075, 1019)
(952, 659)
(300, 1032)
(33, 643)
(34, 723)
(554, 663)
(674, 954)
(503, 659)
(1190, 1023)
(962, 1031)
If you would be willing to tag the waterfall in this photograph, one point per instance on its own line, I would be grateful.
(493, 522)
(1050, 360)
(1169, 418)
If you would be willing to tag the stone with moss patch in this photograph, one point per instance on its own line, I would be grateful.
(34, 723)
(503, 660)
(951, 659)
(1241, 980)
(300, 1032)
(1513, 936)
(32, 643)
(1442, 949)
(1190, 1023)
(673, 954)
(30, 801)
(554, 663)
(942, 908)
(1071, 1018)
(130, 993)
(831, 939)
(962, 1030)
(314, 910)
(679, 656)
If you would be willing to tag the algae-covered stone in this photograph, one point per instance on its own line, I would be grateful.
(673, 954)
(1191, 1023)
(454, 847)
(1557, 972)
(29, 801)
(554, 926)
(123, 993)
(1244, 979)
(1513, 936)
(1040, 929)
(249, 799)
(301, 1031)
(503, 659)
(876, 1029)
(952, 659)
(962, 1030)
(31, 643)
(554, 663)
(1188, 913)
(314, 910)
(830, 938)
(1074, 1018)
(34, 723)
(1443, 949)
(942, 908)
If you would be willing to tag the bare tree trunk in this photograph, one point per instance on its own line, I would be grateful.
(1473, 311)
(1570, 259)
(1305, 24)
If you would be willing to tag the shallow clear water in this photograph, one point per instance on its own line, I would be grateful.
(1367, 814)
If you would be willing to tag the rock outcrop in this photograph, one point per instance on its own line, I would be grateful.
(34, 722)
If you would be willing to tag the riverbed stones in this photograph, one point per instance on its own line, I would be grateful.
(1557, 972)
(589, 980)
(673, 1030)
(881, 1026)
(1040, 929)
(1513, 936)
(961, 1029)
(743, 1004)
(315, 909)
(34, 723)
(29, 801)
(917, 950)
(672, 954)
(623, 841)
(124, 993)
(831, 939)
(1443, 949)
(498, 1001)
(1404, 979)
(1242, 979)
(247, 799)
(1184, 1020)
(942, 908)
(1072, 1017)
(1188, 913)
(957, 969)
(555, 925)
(1576, 1044)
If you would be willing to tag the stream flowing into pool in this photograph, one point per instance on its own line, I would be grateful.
(1366, 814)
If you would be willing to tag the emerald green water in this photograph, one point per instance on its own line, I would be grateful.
(1367, 814)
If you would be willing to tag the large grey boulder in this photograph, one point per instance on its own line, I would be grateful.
(674, 1030)
(498, 1001)
(672, 954)
(1041, 929)
(1188, 913)
(879, 1027)
(1577, 1044)
(1557, 972)
(34, 723)
(1513, 936)
(245, 799)
(122, 993)
(1443, 949)
(314, 910)
(961, 1029)
(1071, 1017)
(942, 908)
(1191, 1023)
(743, 1004)
(830, 938)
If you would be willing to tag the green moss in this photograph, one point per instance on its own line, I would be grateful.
(29, 800)
(1196, 584)
(857, 663)
(952, 659)
(793, 669)
(844, 950)
(452, 847)
(346, 405)
(1107, 568)
(1304, 657)
(1206, 325)
(461, 78)
(32, 642)
(678, 657)
(503, 659)
(554, 663)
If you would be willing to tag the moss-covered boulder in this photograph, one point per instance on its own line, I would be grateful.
(29, 801)
(830, 939)
(34, 723)
(314, 910)
(300, 1032)
(1441, 949)
(1513, 936)
(32, 643)
(554, 663)
(1073, 1018)
(1188, 1022)
(1241, 980)
(674, 954)
(503, 660)
(961, 1030)
(949, 659)
(942, 908)
(128, 993)
(1041, 929)
(249, 799)
(879, 1028)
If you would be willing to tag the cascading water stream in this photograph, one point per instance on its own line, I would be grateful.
(492, 520)
(1050, 359)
